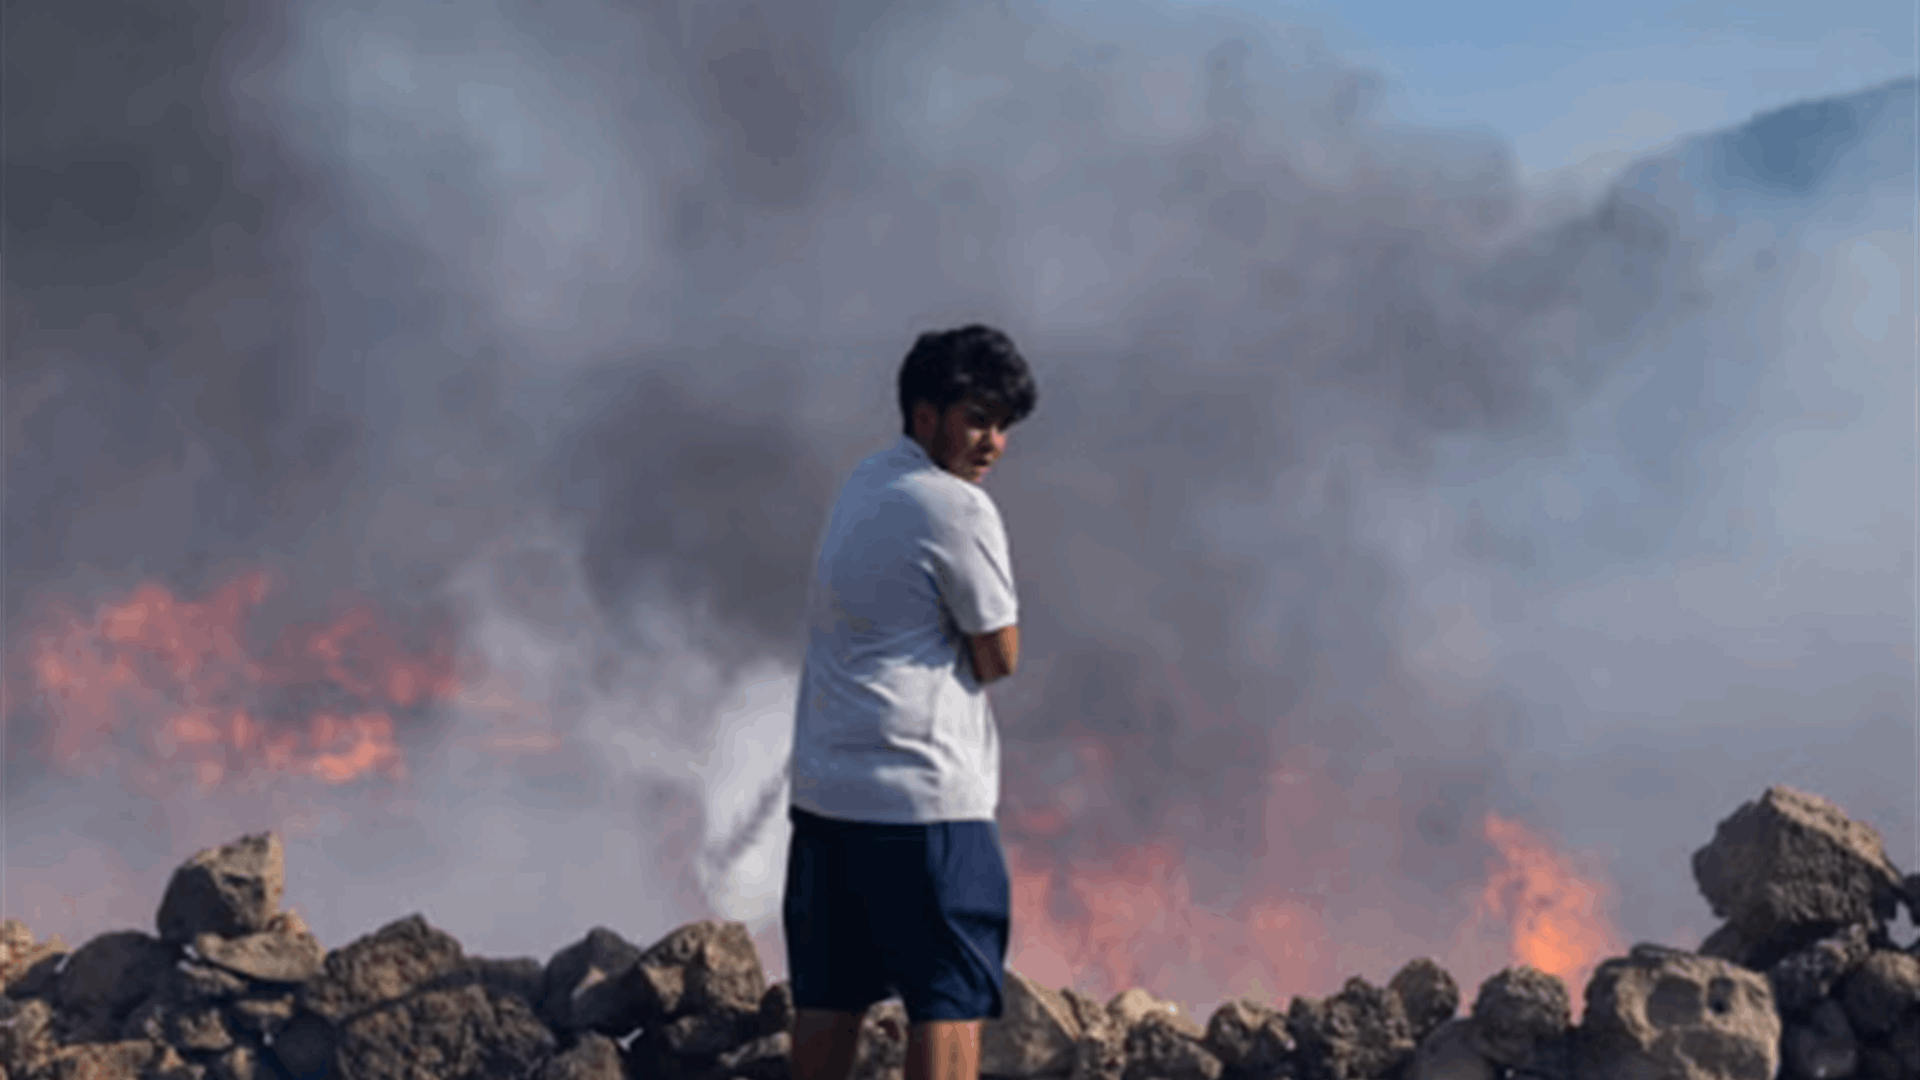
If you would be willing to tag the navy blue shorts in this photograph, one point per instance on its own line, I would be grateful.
(874, 910)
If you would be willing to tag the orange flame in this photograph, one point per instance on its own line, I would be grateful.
(1550, 909)
(179, 677)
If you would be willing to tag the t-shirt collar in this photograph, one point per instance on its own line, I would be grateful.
(914, 449)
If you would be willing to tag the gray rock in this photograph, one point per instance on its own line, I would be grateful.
(26, 1035)
(1729, 944)
(27, 967)
(1802, 979)
(1249, 1038)
(769, 1057)
(188, 981)
(1035, 1034)
(111, 974)
(1517, 1010)
(1790, 860)
(264, 1015)
(1101, 1052)
(1664, 1013)
(1450, 1052)
(467, 1033)
(1361, 1033)
(582, 988)
(523, 977)
(718, 970)
(1427, 994)
(1159, 1046)
(387, 964)
(270, 956)
(1886, 985)
(881, 1053)
(593, 1057)
(1823, 1048)
(230, 891)
(702, 1036)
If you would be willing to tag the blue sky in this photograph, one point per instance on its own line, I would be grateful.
(1594, 84)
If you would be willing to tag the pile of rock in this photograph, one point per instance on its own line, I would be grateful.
(1802, 982)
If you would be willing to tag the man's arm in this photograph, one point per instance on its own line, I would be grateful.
(996, 654)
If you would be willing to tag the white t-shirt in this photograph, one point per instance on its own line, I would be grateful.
(891, 724)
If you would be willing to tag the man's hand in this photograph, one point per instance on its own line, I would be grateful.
(995, 654)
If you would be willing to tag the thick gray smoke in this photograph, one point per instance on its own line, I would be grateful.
(1366, 496)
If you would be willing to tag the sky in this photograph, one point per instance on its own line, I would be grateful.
(1371, 502)
(1584, 87)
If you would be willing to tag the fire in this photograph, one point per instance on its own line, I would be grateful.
(1550, 909)
(178, 679)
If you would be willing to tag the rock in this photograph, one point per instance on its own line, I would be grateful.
(718, 970)
(1101, 1052)
(1517, 1010)
(188, 981)
(27, 968)
(1360, 1033)
(1729, 944)
(1129, 1007)
(1035, 1034)
(1665, 1013)
(702, 1036)
(1790, 860)
(593, 1057)
(1558, 1058)
(26, 1035)
(240, 1062)
(121, 1060)
(776, 1009)
(1160, 1046)
(1877, 1064)
(231, 891)
(111, 974)
(1911, 886)
(881, 1052)
(522, 977)
(1449, 1053)
(167, 1064)
(1802, 979)
(1886, 985)
(185, 1025)
(264, 1016)
(1823, 1048)
(384, 965)
(1249, 1038)
(270, 956)
(466, 1033)
(1428, 995)
(1904, 1043)
(768, 1057)
(582, 988)
(305, 1047)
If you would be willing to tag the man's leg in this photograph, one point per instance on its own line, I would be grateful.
(943, 1050)
(824, 1043)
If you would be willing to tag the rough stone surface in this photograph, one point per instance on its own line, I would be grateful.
(1129, 1007)
(1358, 1034)
(768, 1057)
(1517, 1010)
(1159, 1046)
(268, 955)
(231, 891)
(305, 1047)
(882, 1048)
(1101, 1052)
(26, 1034)
(1035, 1034)
(1823, 1048)
(1886, 985)
(1664, 1013)
(1790, 860)
(242, 1062)
(718, 969)
(1802, 979)
(189, 981)
(1729, 944)
(593, 1057)
(1427, 994)
(1904, 1043)
(384, 965)
(27, 967)
(122, 1060)
(460, 1034)
(1449, 1053)
(111, 974)
(265, 1016)
(523, 977)
(582, 988)
(1249, 1038)
(702, 1036)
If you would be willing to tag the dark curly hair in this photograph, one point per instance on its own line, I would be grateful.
(949, 366)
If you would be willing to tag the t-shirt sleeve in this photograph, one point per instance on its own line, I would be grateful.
(975, 572)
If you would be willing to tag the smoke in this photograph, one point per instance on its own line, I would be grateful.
(1366, 496)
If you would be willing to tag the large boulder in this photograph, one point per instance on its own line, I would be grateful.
(1161, 1045)
(1250, 1039)
(111, 974)
(1518, 1010)
(583, 988)
(1886, 985)
(709, 971)
(1789, 861)
(1361, 1033)
(1035, 1034)
(1451, 1052)
(593, 1057)
(1660, 1012)
(231, 891)
(1428, 995)
(270, 955)
(467, 1033)
(387, 964)
(1804, 978)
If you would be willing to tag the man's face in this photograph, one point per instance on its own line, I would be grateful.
(966, 440)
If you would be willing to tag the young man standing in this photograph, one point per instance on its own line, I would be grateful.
(896, 882)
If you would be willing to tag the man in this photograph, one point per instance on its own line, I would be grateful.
(896, 882)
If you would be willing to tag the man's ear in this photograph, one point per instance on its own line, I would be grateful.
(926, 418)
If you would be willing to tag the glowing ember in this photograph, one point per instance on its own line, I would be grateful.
(1551, 909)
(177, 679)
